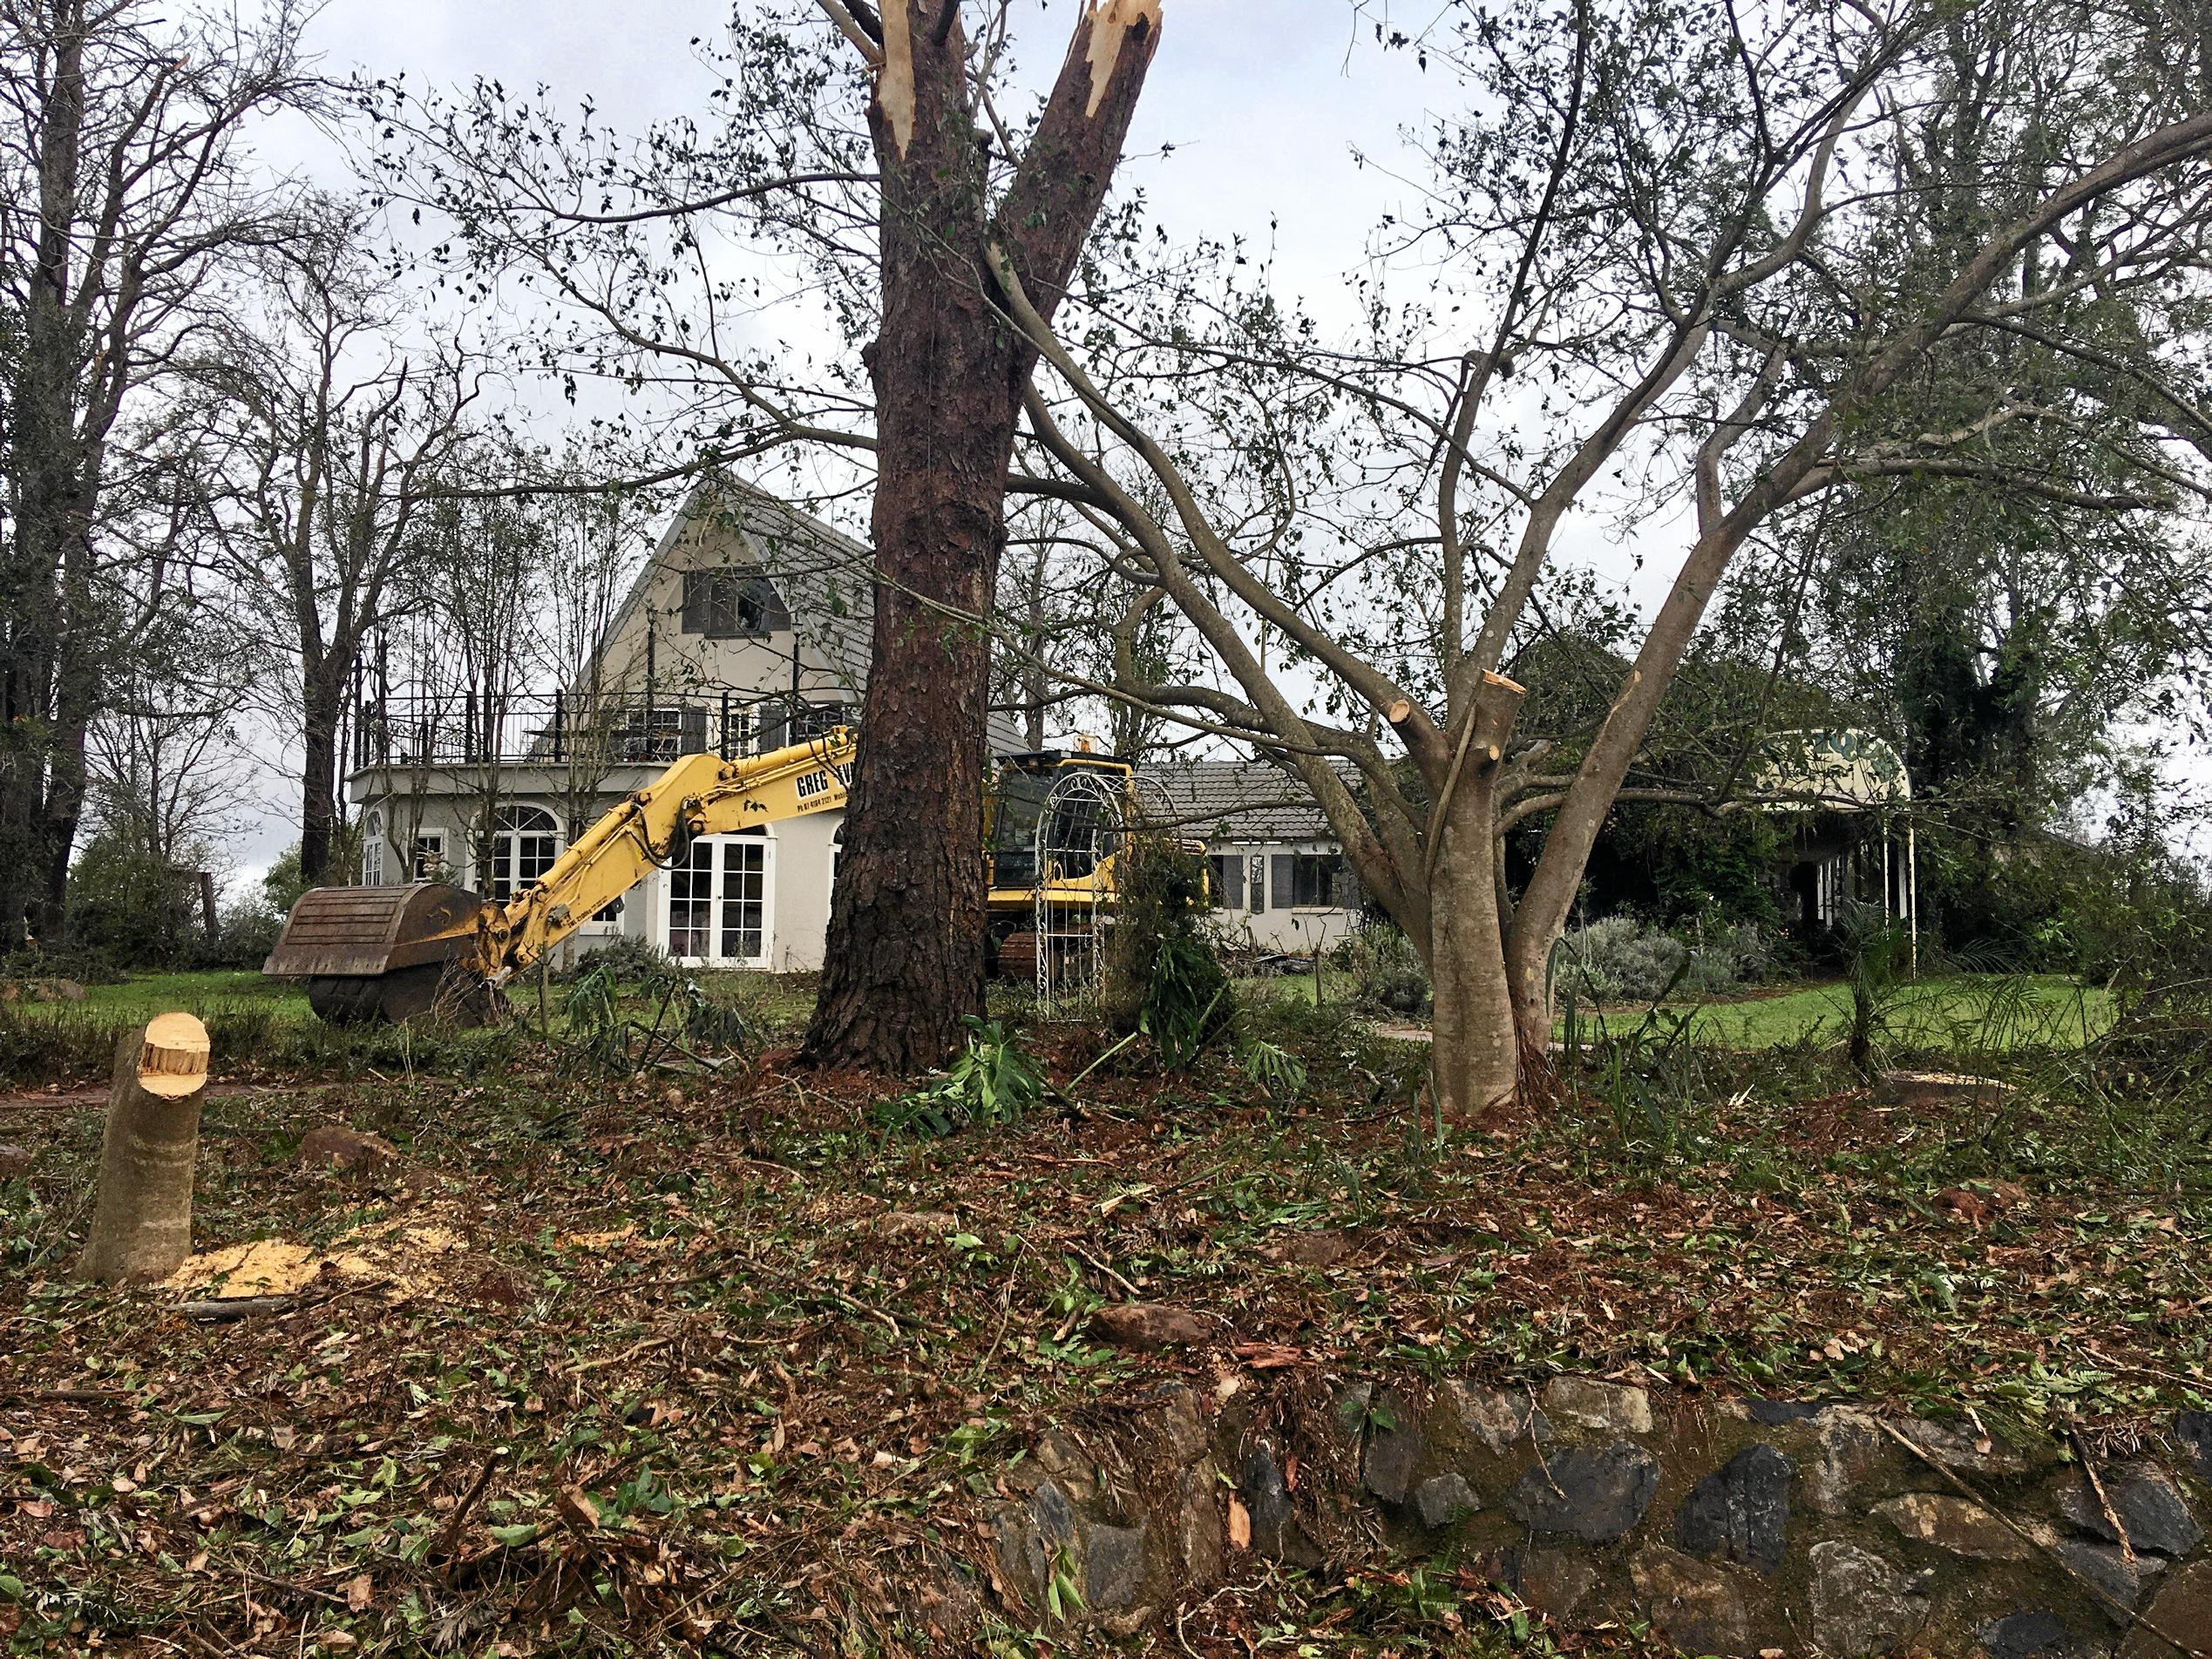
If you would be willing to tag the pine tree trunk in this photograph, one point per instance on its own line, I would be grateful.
(142, 1221)
(904, 957)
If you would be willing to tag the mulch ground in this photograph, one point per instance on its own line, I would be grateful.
(631, 1365)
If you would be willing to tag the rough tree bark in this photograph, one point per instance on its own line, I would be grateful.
(904, 951)
(50, 511)
(321, 701)
(142, 1221)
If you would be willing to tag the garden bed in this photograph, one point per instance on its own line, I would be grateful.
(782, 1353)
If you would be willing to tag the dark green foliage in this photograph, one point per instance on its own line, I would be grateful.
(131, 909)
(1162, 977)
(993, 1080)
(1387, 970)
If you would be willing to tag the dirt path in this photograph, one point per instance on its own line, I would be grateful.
(93, 1093)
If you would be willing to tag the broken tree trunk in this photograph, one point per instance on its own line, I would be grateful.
(142, 1223)
(904, 957)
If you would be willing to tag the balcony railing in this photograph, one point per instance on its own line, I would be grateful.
(583, 733)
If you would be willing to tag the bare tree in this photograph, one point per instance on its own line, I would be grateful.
(125, 185)
(1681, 267)
(339, 427)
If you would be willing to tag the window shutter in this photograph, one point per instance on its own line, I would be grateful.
(694, 601)
(1347, 895)
(1226, 872)
(695, 729)
(1284, 879)
(769, 719)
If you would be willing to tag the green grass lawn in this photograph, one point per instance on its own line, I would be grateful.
(1957, 1013)
(1961, 1014)
(225, 990)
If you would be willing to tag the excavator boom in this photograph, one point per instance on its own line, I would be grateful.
(391, 952)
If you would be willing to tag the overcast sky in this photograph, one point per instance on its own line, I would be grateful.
(1265, 104)
(1263, 101)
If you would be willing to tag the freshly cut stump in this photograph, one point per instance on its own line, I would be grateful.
(142, 1221)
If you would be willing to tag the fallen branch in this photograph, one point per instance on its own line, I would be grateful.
(2126, 1616)
(452, 1535)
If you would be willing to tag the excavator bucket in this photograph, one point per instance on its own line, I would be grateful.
(383, 952)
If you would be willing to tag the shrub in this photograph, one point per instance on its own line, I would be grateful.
(1620, 959)
(1161, 976)
(1389, 972)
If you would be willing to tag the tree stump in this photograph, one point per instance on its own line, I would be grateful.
(142, 1223)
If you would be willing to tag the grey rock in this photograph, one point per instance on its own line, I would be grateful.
(15, 1161)
(1275, 1531)
(1698, 1605)
(2107, 1567)
(2194, 1431)
(1113, 1566)
(1496, 1418)
(2182, 1610)
(1027, 1538)
(1200, 1534)
(1393, 1449)
(1849, 1454)
(1181, 1422)
(1593, 1495)
(1061, 1459)
(2035, 1633)
(1055, 1516)
(2143, 1501)
(1860, 1603)
(1607, 1407)
(1960, 1449)
(1443, 1498)
(1741, 1510)
(1956, 1526)
(1554, 1582)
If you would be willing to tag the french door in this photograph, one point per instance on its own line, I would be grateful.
(720, 911)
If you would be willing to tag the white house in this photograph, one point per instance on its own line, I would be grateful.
(1278, 874)
(749, 626)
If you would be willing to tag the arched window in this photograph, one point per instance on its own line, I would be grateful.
(372, 850)
(524, 843)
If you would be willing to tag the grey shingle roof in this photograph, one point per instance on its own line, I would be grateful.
(1238, 801)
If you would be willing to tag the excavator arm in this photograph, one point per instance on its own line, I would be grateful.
(390, 952)
(700, 795)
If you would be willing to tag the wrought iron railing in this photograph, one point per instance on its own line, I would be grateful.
(579, 731)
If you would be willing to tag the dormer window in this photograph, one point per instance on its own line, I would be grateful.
(732, 605)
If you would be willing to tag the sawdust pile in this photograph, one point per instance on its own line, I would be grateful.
(406, 1256)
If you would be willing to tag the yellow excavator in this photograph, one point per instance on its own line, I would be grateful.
(394, 952)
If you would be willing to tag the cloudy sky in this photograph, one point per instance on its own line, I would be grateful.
(1265, 105)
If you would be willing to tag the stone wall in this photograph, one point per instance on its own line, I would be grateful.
(1737, 1528)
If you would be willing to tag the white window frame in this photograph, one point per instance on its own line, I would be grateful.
(506, 849)
(429, 861)
(372, 849)
(663, 921)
